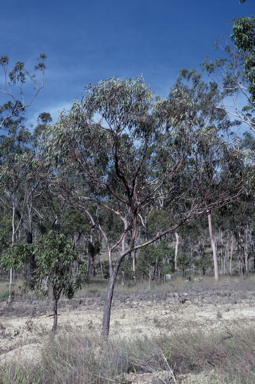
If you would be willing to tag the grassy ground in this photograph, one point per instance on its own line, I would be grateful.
(202, 355)
(77, 358)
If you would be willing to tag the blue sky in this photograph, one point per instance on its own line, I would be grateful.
(90, 40)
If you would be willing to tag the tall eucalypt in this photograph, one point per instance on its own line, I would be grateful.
(126, 151)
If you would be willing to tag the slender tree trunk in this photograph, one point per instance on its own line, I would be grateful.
(108, 249)
(55, 313)
(133, 260)
(215, 261)
(224, 262)
(13, 238)
(56, 296)
(231, 253)
(241, 252)
(149, 279)
(221, 252)
(110, 261)
(111, 284)
(246, 250)
(176, 250)
(88, 259)
(10, 288)
(108, 300)
(101, 267)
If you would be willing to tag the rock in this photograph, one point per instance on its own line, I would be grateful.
(167, 277)
(15, 332)
(183, 300)
(219, 315)
(164, 312)
(149, 378)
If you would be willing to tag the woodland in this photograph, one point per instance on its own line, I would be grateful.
(129, 186)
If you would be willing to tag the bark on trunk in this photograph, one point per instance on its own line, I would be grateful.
(176, 250)
(108, 300)
(241, 251)
(13, 238)
(10, 288)
(231, 254)
(215, 261)
(246, 250)
(108, 249)
(55, 313)
(149, 280)
(56, 296)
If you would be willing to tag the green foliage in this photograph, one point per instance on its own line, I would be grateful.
(157, 221)
(203, 262)
(55, 259)
(243, 36)
(155, 256)
(16, 255)
(11, 111)
(183, 260)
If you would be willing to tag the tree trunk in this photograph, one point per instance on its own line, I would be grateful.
(108, 300)
(241, 252)
(215, 261)
(55, 313)
(221, 252)
(10, 288)
(13, 238)
(111, 284)
(56, 296)
(246, 250)
(88, 259)
(101, 267)
(231, 253)
(149, 279)
(176, 250)
(133, 260)
(108, 249)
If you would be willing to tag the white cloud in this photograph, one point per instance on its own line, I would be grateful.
(54, 110)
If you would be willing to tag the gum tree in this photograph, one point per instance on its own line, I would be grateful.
(123, 149)
(17, 139)
(12, 90)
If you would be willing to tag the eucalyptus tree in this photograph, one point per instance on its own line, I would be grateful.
(17, 139)
(12, 90)
(123, 149)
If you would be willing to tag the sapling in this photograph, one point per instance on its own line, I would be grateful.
(55, 258)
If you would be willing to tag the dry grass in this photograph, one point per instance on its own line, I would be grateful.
(72, 357)
(230, 290)
(208, 355)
